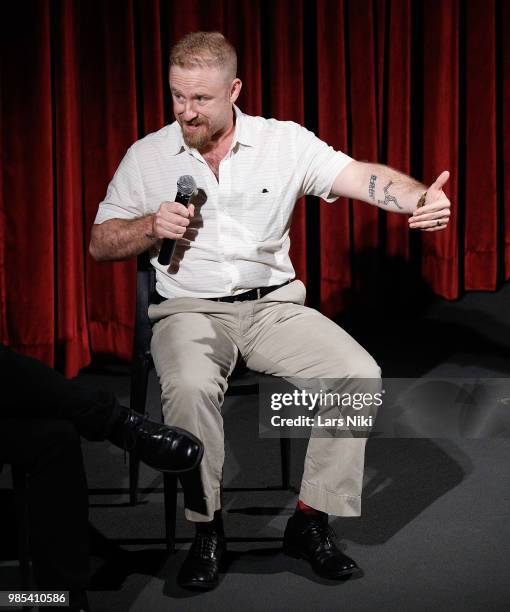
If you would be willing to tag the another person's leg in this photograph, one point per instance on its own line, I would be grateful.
(50, 452)
(38, 391)
(35, 390)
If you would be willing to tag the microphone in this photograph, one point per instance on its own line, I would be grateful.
(186, 188)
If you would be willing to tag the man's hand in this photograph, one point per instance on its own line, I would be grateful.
(171, 220)
(435, 213)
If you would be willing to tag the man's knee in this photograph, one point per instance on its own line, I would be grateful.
(368, 368)
(360, 365)
(191, 390)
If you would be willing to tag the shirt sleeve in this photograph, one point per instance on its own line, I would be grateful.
(125, 194)
(318, 165)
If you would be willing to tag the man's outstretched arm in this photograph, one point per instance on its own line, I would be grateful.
(394, 191)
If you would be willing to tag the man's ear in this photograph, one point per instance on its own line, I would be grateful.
(235, 90)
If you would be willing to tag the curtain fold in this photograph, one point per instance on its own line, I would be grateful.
(442, 146)
(503, 130)
(28, 182)
(332, 111)
(394, 120)
(480, 237)
(362, 32)
(421, 87)
(72, 340)
(283, 73)
(109, 127)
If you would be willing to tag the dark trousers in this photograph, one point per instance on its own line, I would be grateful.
(42, 415)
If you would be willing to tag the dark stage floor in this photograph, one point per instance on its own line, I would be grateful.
(435, 526)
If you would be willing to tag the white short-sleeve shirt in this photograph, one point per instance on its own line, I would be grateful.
(242, 229)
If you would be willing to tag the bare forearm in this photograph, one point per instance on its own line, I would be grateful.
(119, 239)
(392, 190)
(380, 185)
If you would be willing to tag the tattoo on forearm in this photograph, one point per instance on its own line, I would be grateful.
(371, 186)
(388, 198)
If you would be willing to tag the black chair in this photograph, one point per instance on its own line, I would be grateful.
(19, 485)
(141, 365)
(19, 482)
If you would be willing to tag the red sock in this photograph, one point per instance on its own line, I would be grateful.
(302, 507)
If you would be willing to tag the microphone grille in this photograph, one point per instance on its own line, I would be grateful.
(186, 185)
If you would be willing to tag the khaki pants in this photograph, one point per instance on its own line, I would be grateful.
(195, 346)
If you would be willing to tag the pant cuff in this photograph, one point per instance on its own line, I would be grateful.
(212, 502)
(328, 501)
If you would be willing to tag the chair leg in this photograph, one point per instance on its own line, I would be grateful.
(170, 499)
(285, 459)
(134, 471)
(139, 382)
(19, 481)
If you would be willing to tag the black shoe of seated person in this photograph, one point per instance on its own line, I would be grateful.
(310, 537)
(201, 568)
(168, 449)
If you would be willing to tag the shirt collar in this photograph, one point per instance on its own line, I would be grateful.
(243, 134)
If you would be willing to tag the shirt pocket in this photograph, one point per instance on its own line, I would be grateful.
(262, 212)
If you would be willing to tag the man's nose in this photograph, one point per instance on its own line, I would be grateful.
(189, 112)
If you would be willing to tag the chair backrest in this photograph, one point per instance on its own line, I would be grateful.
(142, 359)
(145, 290)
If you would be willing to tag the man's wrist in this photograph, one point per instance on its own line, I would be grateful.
(149, 229)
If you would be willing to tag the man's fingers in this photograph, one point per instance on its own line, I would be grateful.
(436, 228)
(432, 211)
(431, 217)
(176, 208)
(440, 181)
(166, 229)
(173, 212)
(430, 226)
(169, 218)
(172, 220)
(431, 223)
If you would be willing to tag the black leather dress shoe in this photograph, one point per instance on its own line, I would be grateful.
(201, 567)
(310, 537)
(168, 449)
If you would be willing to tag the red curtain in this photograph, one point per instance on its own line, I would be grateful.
(419, 86)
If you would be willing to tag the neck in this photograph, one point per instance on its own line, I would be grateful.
(222, 139)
